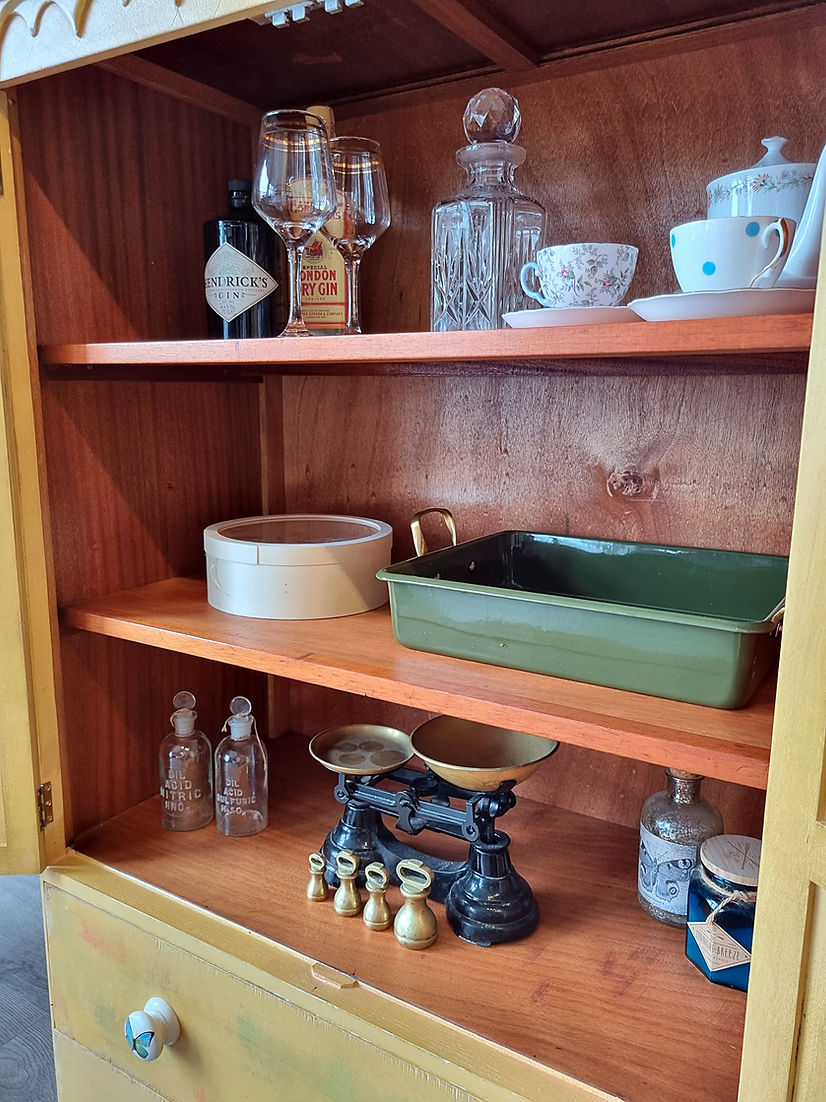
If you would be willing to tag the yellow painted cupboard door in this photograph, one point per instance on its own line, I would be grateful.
(784, 1055)
(29, 755)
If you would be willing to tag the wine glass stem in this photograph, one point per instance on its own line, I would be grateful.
(352, 265)
(295, 322)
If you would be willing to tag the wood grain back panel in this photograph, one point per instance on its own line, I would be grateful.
(119, 180)
(136, 471)
(713, 458)
(618, 154)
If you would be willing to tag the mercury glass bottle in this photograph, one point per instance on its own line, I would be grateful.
(673, 824)
(186, 770)
(483, 236)
(240, 775)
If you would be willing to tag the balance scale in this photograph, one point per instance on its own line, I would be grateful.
(468, 784)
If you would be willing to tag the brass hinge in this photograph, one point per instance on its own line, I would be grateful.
(44, 804)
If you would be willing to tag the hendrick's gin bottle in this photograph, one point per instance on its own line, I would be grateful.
(245, 271)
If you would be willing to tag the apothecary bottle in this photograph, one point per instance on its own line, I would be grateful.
(240, 775)
(244, 271)
(185, 770)
(673, 825)
(483, 236)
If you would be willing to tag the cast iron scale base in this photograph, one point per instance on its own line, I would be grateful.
(486, 901)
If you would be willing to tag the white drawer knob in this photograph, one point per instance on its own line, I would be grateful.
(148, 1030)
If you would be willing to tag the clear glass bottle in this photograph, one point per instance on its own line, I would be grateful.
(483, 236)
(245, 271)
(240, 775)
(673, 824)
(186, 770)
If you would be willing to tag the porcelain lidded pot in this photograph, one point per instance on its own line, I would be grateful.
(774, 186)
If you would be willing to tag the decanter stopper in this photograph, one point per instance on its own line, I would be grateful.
(316, 886)
(492, 116)
(347, 900)
(377, 914)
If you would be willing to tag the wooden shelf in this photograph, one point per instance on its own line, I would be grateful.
(502, 350)
(600, 991)
(358, 654)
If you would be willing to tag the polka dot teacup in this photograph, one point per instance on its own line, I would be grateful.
(726, 254)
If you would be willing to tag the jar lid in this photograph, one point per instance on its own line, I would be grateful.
(733, 857)
(296, 539)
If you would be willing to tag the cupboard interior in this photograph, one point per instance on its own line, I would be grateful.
(137, 468)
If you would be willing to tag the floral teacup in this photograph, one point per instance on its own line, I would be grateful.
(586, 274)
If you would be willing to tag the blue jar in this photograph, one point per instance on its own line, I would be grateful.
(722, 895)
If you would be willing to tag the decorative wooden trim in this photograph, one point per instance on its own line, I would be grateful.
(33, 44)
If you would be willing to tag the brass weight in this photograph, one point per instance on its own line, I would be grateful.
(316, 887)
(377, 914)
(347, 900)
(415, 926)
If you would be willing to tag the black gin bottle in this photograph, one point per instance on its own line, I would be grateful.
(244, 273)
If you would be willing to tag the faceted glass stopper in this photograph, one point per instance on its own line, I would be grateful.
(492, 116)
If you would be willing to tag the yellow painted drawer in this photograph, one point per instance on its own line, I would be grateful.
(238, 1041)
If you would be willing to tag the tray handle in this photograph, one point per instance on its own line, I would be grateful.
(416, 528)
(777, 617)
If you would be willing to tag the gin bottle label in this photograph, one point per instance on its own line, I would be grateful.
(233, 282)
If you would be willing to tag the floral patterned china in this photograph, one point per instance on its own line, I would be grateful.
(583, 274)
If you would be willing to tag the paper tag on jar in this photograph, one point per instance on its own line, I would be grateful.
(719, 948)
(664, 872)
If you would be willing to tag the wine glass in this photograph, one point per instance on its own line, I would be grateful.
(294, 191)
(363, 214)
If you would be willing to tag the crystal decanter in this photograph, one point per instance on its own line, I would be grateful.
(483, 236)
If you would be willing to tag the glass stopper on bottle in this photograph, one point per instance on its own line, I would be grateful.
(492, 115)
(183, 699)
(240, 706)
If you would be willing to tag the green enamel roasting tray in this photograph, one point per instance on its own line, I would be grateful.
(679, 622)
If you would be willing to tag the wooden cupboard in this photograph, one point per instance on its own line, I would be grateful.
(127, 433)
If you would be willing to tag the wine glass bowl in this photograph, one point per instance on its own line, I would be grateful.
(294, 190)
(363, 213)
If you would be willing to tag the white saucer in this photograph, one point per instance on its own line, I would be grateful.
(694, 305)
(568, 315)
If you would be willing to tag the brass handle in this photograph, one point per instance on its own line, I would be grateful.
(416, 528)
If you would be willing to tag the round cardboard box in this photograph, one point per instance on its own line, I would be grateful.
(297, 566)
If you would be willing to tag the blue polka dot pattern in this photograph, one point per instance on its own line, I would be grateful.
(752, 229)
(673, 240)
(709, 268)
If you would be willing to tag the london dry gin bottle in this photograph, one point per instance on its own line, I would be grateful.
(673, 825)
(323, 291)
(240, 774)
(483, 236)
(186, 770)
(245, 271)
